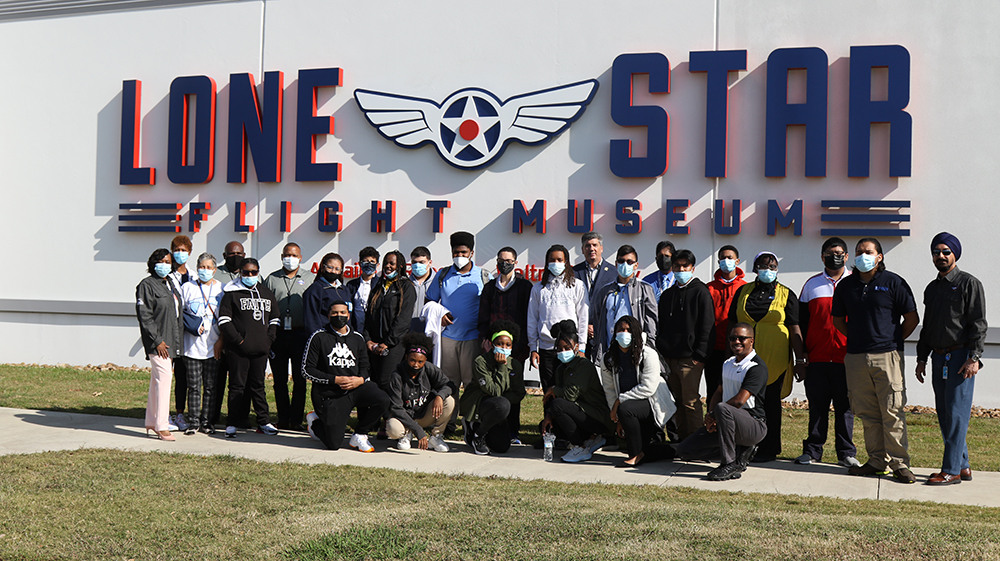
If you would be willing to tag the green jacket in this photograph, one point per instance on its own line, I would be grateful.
(491, 379)
(578, 381)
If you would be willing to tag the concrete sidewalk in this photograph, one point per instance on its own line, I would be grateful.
(27, 431)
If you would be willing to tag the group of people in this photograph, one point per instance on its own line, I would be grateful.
(619, 358)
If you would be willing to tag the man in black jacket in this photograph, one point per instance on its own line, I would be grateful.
(336, 361)
(248, 320)
(686, 321)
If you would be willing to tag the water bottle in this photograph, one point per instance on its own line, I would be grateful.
(549, 441)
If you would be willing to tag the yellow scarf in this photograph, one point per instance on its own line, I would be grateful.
(771, 339)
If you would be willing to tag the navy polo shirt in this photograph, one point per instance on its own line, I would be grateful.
(873, 311)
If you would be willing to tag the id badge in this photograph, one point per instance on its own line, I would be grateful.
(288, 322)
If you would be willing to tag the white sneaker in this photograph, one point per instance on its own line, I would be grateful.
(437, 443)
(594, 444)
(180, 422)
(360, 441)
(268, 429)
(311, 418)
(172, 424)
(804, 460)
(849, 461)
(230, 432)
(577, 454)
(404, 443)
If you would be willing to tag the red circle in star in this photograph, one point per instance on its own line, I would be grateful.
(469, 129)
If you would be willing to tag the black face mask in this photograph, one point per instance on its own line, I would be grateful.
(338, 322)
(663, 263)
(833, 262)
(504, 267)
(331, 277)
(233, 263)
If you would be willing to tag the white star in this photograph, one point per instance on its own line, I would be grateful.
(470, 114)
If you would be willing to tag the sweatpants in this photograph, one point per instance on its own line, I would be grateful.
(334, 410)
(289, 346)
(382, 367)
(492, 424)
(219, 396)
(158, 402)
(457, 360)
(200, 381)
(246, 379)
(770, 446)
(636, 418)
(734, 427)
(570, 422)
(547, 363)
(826, 382)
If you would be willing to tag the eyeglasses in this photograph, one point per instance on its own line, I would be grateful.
(936, 252)
(247, 273)
(740, 338)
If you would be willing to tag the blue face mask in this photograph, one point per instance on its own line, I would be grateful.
(418, 269)
(556, 268)
(368, 268)
(180, 257)
(683, 277)
(865, 262)
(162, 269)
(391, 275)
(501, 351)
(767, 276)
(205, 275)
(250, 282)
(727, 265)
(565, 356)
(624, 339)
(625, 270)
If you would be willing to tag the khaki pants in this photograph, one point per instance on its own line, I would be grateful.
(683, 381)
(395, 430)
(878, 395)
(457, 361)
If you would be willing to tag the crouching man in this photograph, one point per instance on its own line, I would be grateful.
(336, 361)
(735, 422)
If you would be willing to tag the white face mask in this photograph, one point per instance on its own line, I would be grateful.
(461, 261)
(290, 263)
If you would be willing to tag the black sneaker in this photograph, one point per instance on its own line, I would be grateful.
(479, 445)
(207, 429)
(744, 455)
(190, 430)
(725, 472)
(904, 475)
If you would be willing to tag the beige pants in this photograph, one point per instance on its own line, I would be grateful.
(158, 402)
(395, 430)
(878, 395)
(683, 381)
(457, 361)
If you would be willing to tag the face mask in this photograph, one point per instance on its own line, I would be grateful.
(391, 275)
(865, 262)
(557, 268)
(624, 339)
(767, 276)
(683, 276)
(504, 268)
(502, 351)
(565, 356)
(625, 270)
(250, 282)
(162, 269)
(833, 262)
(460, 262)
(290, 263)
(663, 263)
(205, 275)
(233, 263)
(368, 268)
(418, 269)
(727, 265)
(332, 278)
(180, 257)
(338, 322)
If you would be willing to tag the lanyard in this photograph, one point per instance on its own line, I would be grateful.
(207, 304)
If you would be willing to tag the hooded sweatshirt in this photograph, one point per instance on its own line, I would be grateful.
(248, 318)
(330, 354)
(410, 396)
(722, 298)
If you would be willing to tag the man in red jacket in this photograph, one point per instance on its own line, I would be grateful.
(728, 279)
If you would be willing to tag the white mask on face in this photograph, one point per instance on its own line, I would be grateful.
(290, 263)
(461, 261)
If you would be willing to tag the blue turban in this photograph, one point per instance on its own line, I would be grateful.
(950, 241)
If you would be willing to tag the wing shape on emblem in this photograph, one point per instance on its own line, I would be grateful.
(407, 121)
(539, 116)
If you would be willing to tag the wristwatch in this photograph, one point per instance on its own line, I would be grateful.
(974, 357)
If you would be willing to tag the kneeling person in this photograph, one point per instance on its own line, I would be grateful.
(336, 361)
(419, 396)
(735, 423)
(491, 404)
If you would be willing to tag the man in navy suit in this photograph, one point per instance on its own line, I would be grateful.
(595, 273)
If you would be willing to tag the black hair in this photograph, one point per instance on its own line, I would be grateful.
(634, 352)
(729, 248)
(507, 248)
(663, 244)
(342, 303)
(249, 261)
(330, 256)
(400, 260)
(156, 257)
(291, 244)
(625, 250)
(420, 251)
(834, 242)
(565, 331)
(368, 252)
(768, 256)
(743, 325)
(505, 325)
(417, 339)
(685, 255)
(567, 275)
(878, 248)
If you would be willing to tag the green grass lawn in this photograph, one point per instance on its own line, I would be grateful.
(106, 504)
(123, 393)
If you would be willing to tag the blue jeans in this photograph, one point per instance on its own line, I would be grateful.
(953, 400)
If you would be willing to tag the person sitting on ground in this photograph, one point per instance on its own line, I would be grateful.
(336, 362)
(575, 407)
(419, 396)
(638, 396)
(496, 391)
(735, 422)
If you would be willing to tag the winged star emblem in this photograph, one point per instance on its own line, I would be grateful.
(472, 127)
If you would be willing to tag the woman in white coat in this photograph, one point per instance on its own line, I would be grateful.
(638, 396)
